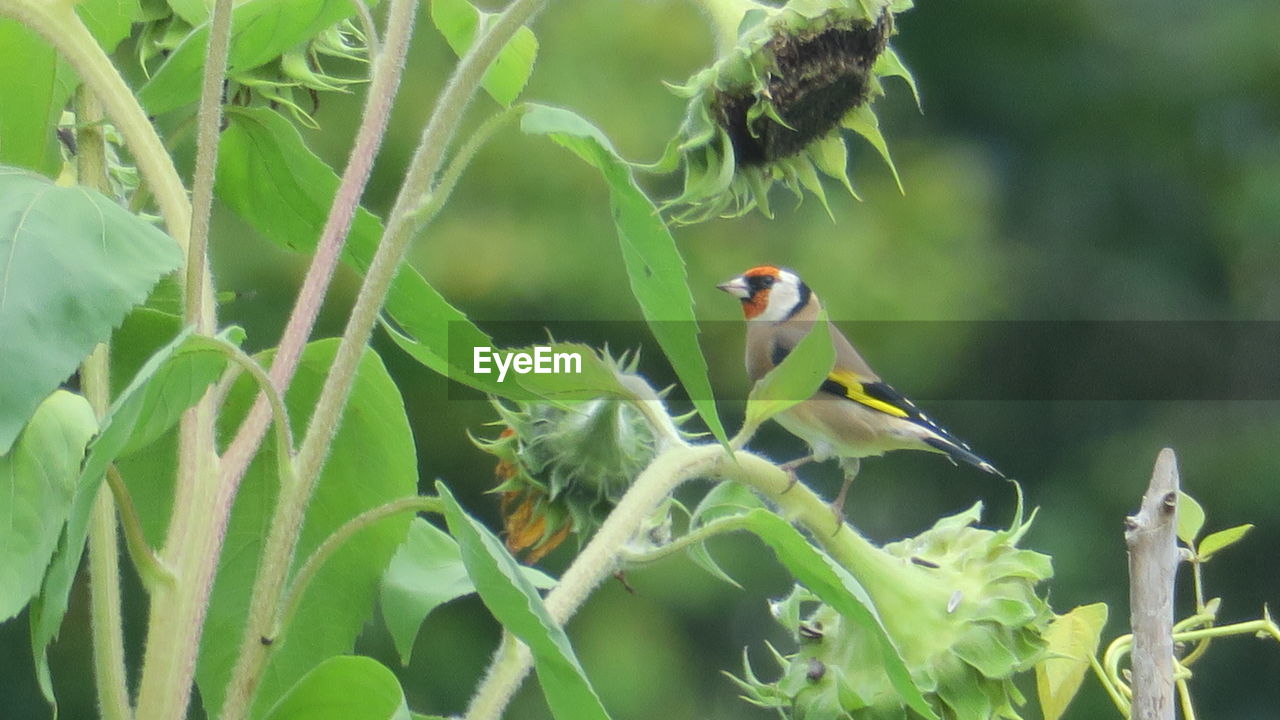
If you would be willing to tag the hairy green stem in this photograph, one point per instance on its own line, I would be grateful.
(176, 621)
(199, 312)
(719, 526)
(110, 675)
(109, 672)
(275, 401)
(439, 194)
(333, 543)
(192, 547)
(281, 543)
(388, 66)
(152, 572)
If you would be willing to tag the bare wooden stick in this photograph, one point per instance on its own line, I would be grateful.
(1151, 535)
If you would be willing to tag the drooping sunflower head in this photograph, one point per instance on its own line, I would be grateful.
(562, 467)
(962, 610)
(771, 107)
(291, 79)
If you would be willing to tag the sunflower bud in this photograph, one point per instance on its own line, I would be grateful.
(962, 612)
(771, 107)
(561, 468)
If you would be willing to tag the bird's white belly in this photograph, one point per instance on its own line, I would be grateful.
(863, 432)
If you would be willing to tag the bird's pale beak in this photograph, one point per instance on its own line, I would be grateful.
(736, 287)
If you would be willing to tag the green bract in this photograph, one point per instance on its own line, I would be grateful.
(959, 603)
(289, 76)
(771, 107)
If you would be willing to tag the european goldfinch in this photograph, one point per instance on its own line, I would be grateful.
(854, 414)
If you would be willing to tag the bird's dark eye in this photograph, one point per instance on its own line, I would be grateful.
(760, 282)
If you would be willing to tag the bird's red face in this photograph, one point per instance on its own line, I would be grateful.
(768, 292)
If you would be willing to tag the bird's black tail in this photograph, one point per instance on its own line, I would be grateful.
(959, 452)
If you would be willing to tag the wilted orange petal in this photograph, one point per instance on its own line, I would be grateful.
(516, 525)
(531, 531)
(550, 544)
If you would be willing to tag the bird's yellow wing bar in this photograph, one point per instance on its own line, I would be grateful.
(847, 384)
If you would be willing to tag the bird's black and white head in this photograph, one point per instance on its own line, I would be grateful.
(769, 293)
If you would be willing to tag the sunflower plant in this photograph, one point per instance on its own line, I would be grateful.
(268, 501)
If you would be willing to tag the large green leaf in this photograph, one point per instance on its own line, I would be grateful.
(371, 462)
(427, 572)
(37, 483)
(348, 687)
(649, 252)
(109, 21)
(837, 588)
(260, 31)
(172, 380)
(72, 263)
(459, 21)
(33, 99)
(516, 604)
(1072, 640)
(796, 378)
(36, 85)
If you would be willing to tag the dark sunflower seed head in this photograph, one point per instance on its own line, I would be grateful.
(819, 77)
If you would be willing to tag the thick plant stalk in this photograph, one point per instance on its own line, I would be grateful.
(200, 313)
(1151, 536)
(109, 672)
(110, 676)
(176, 622)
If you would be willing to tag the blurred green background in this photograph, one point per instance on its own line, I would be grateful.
(1075, 161)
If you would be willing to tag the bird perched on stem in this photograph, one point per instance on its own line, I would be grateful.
(853, 414)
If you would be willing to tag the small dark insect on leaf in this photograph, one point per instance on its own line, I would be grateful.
(816, 670)
(266, 640)
(925, 563)
(621, 577)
